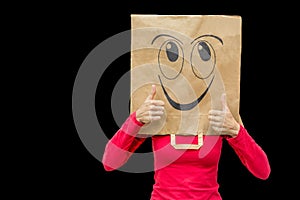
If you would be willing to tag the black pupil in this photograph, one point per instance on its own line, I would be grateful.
(204, 51)
(172, 51)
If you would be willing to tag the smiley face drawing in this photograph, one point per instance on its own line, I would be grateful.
(192, 59)
(204, 51)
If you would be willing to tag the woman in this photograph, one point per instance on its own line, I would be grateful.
(185, 174)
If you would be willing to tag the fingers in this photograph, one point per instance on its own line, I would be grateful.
(224, 102)
(216, 112)
(223, 99)
(150, 118)
(217, 118)
(155, 118)
(152, 93)
(156, 108)
(155, 112)
(155, 115)
(222, 121)
(156, 102)
(217, 123)
(218, 129)
(148, 115)
(151, 109)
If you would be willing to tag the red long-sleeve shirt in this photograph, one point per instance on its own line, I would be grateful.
(184, 174)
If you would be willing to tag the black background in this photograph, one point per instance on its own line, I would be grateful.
(62, 35)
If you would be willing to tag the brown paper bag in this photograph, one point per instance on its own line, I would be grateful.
(192, 60)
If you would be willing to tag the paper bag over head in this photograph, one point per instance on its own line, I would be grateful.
(192, 60)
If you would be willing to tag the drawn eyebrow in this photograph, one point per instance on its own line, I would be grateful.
(208, 35)
(160, 35)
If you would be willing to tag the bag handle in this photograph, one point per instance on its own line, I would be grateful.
(187, 146)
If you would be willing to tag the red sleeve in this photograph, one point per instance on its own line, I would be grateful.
(121, 146)
(250, 154)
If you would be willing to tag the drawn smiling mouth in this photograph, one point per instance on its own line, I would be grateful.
(187, 106)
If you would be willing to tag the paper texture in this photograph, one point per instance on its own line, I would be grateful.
(192, 60)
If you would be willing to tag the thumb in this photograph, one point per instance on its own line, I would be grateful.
(152, 94)
(224, 102)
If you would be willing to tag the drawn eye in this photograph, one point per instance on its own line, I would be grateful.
(172, 51)
(170, 59)
(204, 51)
(203, 59)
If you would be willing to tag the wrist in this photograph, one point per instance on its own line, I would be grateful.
(235, 130)
(138, 119)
